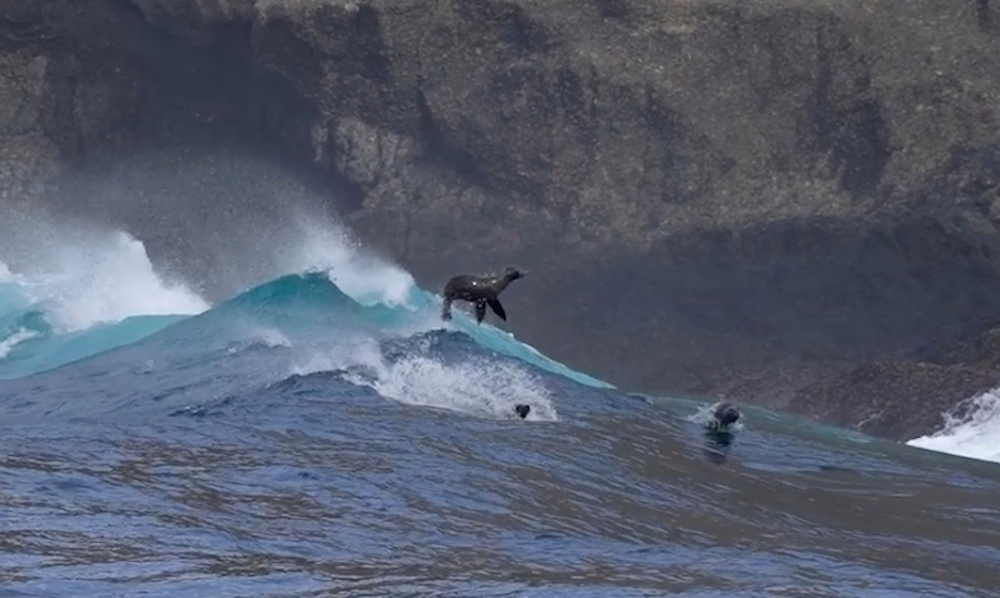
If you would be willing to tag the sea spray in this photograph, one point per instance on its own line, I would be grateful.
(93, 278)
(321, 244)
(95, 292)
(110, 282)
(481, 383)
(971, 429)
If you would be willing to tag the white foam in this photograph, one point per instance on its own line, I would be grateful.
(5, 275)
(7, 345)
(477, 387)
(86, 278)
(358, 352)
(975, 434)
(112, 281)
(706, 415)
(118, 281)
(323, 245)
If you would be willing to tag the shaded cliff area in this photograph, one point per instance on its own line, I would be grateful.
(785, 202)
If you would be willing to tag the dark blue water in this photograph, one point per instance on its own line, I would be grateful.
(298, 440)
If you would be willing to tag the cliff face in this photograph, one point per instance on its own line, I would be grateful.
(708, 194)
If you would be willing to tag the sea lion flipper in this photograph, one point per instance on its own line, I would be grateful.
(480, 311)
(497, 308)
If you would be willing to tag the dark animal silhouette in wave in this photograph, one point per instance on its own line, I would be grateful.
(481, 290)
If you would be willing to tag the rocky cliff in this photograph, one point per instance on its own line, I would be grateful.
(789, 202)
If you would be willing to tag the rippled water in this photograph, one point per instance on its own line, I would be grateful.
(323, 487)
(296, 442)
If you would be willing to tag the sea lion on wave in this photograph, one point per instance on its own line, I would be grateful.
(718, 433)
(481, 290)
(723, 416)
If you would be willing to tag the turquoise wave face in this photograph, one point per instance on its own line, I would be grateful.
(30, 344)
(504, 342)
(421, 312)
(296, 308)
(48, 351)
(309, 306)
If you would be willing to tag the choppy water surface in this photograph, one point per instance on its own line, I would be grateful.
(302, 440)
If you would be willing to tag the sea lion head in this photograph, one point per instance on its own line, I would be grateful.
(513, 273)
(726, 414)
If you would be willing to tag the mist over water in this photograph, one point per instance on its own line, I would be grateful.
(162, 235)
(221, 220)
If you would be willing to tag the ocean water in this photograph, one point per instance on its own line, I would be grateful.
(322, 433)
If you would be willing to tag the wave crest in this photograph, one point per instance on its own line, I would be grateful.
(971, 429)
(73, 301)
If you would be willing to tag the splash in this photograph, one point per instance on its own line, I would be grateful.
(91, 277)
(68, 292)
(706, 414)
(108, 282)
(415, 371)
(480, 387)
(12, 340)
(352, 354)
(321, 244)
(972, 432)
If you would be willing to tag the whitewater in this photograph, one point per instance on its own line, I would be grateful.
(322, 432)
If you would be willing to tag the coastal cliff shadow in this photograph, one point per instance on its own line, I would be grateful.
(809, 290)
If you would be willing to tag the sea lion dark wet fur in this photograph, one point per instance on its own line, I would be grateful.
(481, 290)
(724, 415)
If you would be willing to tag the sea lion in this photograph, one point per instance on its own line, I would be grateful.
(718, 436)
(481, 290)
(723, 416)
(522, 410)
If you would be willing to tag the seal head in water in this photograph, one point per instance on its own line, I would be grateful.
(723, 416)
(481, 290)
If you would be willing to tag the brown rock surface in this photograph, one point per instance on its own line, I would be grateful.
(705, 192)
